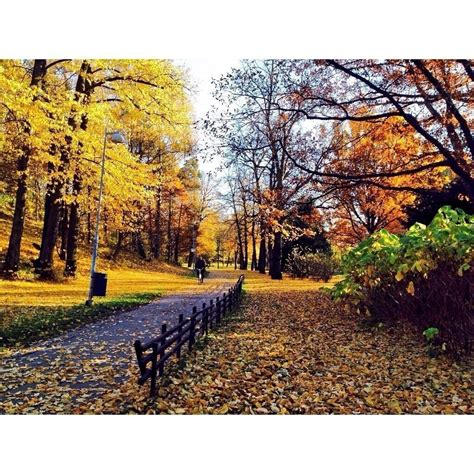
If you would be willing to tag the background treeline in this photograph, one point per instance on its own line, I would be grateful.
(316, 156)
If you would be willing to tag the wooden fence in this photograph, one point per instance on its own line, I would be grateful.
(153, 355)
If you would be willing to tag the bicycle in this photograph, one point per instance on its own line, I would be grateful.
(200, 276)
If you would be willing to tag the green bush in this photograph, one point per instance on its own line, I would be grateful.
(310, 265)
(424, 275)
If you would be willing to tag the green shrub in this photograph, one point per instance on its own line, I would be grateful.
(310, 265)
(424, 275)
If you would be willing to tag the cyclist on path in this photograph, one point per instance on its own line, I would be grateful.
(200, 268)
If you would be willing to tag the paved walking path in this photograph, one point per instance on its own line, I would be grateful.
(92, 360)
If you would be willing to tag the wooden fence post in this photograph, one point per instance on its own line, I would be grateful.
(139, 352)
(204, 319)
(218, 311)
(161, 366)
(211, 314)
(154, 368)
(180, 331)
(192, 328)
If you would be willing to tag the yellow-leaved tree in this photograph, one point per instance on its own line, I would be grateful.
(56, 114)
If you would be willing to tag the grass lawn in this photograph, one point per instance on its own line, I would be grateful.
(32, 309)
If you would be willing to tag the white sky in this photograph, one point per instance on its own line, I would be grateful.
(201, 72)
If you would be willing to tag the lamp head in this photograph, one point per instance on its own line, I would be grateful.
(117, 137)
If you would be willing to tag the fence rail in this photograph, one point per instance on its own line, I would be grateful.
(153, 355)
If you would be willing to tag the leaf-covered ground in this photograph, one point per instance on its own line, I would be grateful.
(292, 350)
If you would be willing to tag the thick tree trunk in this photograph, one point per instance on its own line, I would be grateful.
(139, 245)
(50, 228)
(275, 266)
(13, 253)
(12, 259)
(73, 231)
(64, 232)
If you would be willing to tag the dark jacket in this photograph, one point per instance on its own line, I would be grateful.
(200, 264)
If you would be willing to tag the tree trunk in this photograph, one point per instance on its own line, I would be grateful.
(262, 254)
(151, 237)
(13, 253)
(50, 228)
(157, 245)
(170, 215)
(37, 199)
(64, 232)
(12, 259)
(239, 239)
(178, 235)
(118, 245)
(245, 255)
(253, 265)
(275, 266)
(139, 245)
(73, 231)
(269, 255)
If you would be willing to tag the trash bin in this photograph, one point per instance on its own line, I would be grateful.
(99, 284)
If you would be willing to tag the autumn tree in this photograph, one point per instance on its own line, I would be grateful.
(114, 91)
(369, 148)
(254, 135)
(434, 98)
(55, 120)
(28, 116)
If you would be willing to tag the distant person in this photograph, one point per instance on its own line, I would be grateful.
(200, 269)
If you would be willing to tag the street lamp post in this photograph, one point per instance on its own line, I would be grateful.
(192, 253)
(115, 137)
